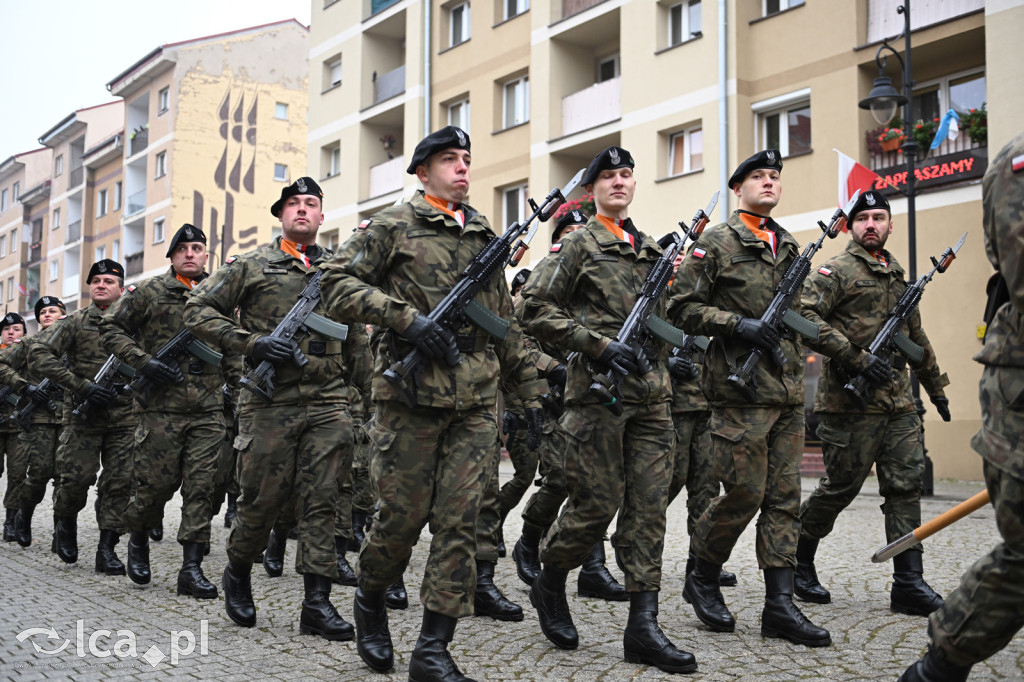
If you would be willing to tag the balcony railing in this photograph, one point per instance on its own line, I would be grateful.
(32, 254)
(74, 232)
(133, 264)
(390, 84)
(600, 103)
(75, 177)
(139, 141)
(962, 143)
(136, 203)
(70, 287)
(380, 5)
(387, 177)
(570, 7)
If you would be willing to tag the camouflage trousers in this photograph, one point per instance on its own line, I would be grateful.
(614, 462)
(757, 452)
(850, 445)
(172, 451)
(17, 466)
(982, 615)
(693, 467)
(6, 441)
(524, 463)
(431, 465)
(225, 481)
(542, 507)
(288, 462)
(490, 517)
(39, 448)
(81, 450)
(355, 492)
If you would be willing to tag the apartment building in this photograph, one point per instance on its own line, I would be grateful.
(24, 206)
(691, 88)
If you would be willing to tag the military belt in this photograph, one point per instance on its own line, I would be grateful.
(320, 346)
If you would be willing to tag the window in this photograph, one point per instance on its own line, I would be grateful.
(684, 22)
(458, 114)
(58, 165)
(115, 250)
(608, 68)
(10, 287)
(686, 151)
(3, 244)
(3, 200)
(158, 230)
(332, 72)
(118, 195)
(163, 99)
(770, 7)
(784, 123)
(55, 223)
(14, 240)
(1, 290)
(513, 204)
(514, 8)
(101, 253)
(961, 92)
(517, 102)
(161, 165)
(101, 204)
(16, 192)
(281, 109)
(53, 270)
(280, 172)
(458, 24)
(331, 160)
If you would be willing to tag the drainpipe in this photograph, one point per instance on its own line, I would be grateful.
(723, 112)
(426, 67)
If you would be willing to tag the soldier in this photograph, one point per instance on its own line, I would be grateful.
(722, 288)
(34, 449)
(12, 328)
(982, 615)
(181, 427)
(432, 459)
(103, 433)
(578, 301)
(850, 297)
(289, 451)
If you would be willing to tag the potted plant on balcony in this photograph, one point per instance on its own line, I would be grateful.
(924, 133)
(890, 139)
(975, 124)
(389, 142)
(585, 203)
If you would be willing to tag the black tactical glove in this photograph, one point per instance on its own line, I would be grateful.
(942, 406)
(101, 396)
(534, 427)
(681, 369)
(877, 370)
(30, 392)
(273, 349)
(619, 357)
(556, 376)
(162, 372)
(431, 340)
(509, 424)
(757, 333)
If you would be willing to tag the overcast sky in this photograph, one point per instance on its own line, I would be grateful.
(58, 55)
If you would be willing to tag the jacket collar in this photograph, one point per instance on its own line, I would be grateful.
(423, 210)
(649, 249)
(858, 251)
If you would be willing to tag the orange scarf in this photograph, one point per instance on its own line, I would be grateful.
(297, 250)
(185, 280)
(755, 224)
(615, 227)
(448, 208)
(880, 257)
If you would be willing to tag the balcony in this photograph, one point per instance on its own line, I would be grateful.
(33, 254)
(390, 84)
(600, 103)
(377, 6)
(570, 7)
(952, 161)
(136, 203)
(138, 142)
(387, 177)
(69, 287)
(74, 232)
(75, 177)
(133, 264)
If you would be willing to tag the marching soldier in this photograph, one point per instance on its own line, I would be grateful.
(181, 427)
(722, 288)
(432, 458)
(102, 433)
(984, 613)
(290, 450)
(12, 328)
(850, 297)
(578, 301)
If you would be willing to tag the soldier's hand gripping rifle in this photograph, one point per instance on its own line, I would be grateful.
(300, 319)
(42, 395)
(779, 315)
(642, 323)
(111, 376)
(460, 303)
(890, 337)
(8, 395)
(170, 355)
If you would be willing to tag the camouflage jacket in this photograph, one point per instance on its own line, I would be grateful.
(728, 274)
(688, 394)
(578, 299)
(140, 323)
(401, 263)
(264, 284)
(545, 363)
(18, 374)
(850, 297)
(77, 336)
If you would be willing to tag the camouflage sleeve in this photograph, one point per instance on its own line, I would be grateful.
(358, 359)
(233, 367)
(210, 311)
(51, 344)
(819, 297)
(932, 379)
(12, 359)
(1001, 218)
(690, 296)
(518, 365)
(128, 315)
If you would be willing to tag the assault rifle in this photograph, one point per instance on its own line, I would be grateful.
(7, 395)
(170, 354)
(43, 396)
(889, 338)
(642, 323)
(459, 303)
(111, 370)
(779, 314)
(691, 342)
(300, 318)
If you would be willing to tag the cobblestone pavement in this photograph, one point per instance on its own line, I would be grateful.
(99, 617)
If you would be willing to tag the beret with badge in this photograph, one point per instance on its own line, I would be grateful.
(46, 302)
(573, 217)
(612, 157)
(11, 319)
(869, 201)
(304, 185)
(768, 158)
(445, 138)
(105, 267)
(186, 233)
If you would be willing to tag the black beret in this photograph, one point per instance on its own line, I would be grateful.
(573, 217)
(769, 158)
(613, 157)
(520, 279)
(46, 302)
(11, 319)
(445, 138)
(869, 200)
(105, 267)
(185, 233)
(304, 185)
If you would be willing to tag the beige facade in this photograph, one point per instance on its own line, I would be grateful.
(24, 203)
(549, 83)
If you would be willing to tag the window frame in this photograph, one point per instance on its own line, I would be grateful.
(159, 233)
(118, 195)
(14, 240)
(524, 81)
(942, 85)
(464, 119)
(163, 99)
(522, 190)
(687, 135)
(54, 270)
(783, 6)
(466, 23)
(100, 252)
(616, 62)
(15, 192)
(58, 166)
(3, 200)
(523, 4)
(160, 165)
(10, 288)
(284, 168)
(277, 111)
(686, 32)
(101, 204)
(329, 65)
(55, 219)
(782, 105)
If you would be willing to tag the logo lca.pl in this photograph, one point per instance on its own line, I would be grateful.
(180, 643)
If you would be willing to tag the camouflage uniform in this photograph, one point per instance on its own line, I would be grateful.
(578, 300)
(432, 460)
(290, 451)
(693, 467)
(16, 464)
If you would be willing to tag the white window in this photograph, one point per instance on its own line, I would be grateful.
(54, 271)
(3, 200)
(514, 8)
(55, 223)
(3, 244)
(158, 230)
(513, 204)
(331, 159)
(161, 165)
(961, 92)
(58, 165)
(608, 68)
(332, 72)
(1, 290)
(684, 22)
(280, 172)
(517, 102)
(118, 195)
(281, 109)
(10, 288)
(163, 99)
(458, 114)
(14, 240)
(16, 191)
(115, 250)
(784, 123)
(101, 253)
(769, 7)
(101, 204)
(458, 24)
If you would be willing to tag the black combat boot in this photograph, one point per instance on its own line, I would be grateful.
(231, 511)
(805, 580)
(106, 558)
(781, 618)
(347, 576)
(702, 591)
(502, 550)
(526, 553)
(725, 578)
(396, 596)
(138, 557)
(191, 581)
(595, 580)
(53, 540)
(547, 594)
(319, 617)
(358, 529)
(9, 525)
(237, 584)
(66, 531)
(23, 526)
(934, 667)
(157, 534)
(373, 639)
(273, 557)
(488, 599)
(644, 642)
(430, 660)
(910, 594)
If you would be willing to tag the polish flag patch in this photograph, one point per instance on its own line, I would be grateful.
(556, 247)
(1017, 163)
(824, 271)
(699, 253)
(363, 225)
